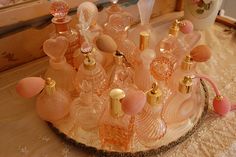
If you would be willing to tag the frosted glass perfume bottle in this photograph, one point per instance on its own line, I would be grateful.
(89, 108)
(59, 10)
(121, 75)
(187, 67)
(182, 103)
(53, 103)
(59, 70)
(116, 129)
(114, 9)
(145, 10)
(143, 78)
(149, 124)
(92, 72)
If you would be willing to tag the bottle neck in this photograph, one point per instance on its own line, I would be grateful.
(116, 108)
(62, 25)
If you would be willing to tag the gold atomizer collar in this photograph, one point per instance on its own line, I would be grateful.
(154, 95)
(89, 63)
(185, 85)
(144, 40)
(187, 63)
(174, 29)
(115, 105)
(118, 57)
(50, 86)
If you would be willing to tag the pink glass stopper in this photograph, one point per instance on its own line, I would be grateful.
(186, 26)
(59, 9)
(221, 105)
(30, 86)
(134, 102)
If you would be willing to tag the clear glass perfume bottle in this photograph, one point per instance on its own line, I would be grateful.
(59, 10)
(94, 73)
(149, 124)
(59, 70)
(143, 78)
(181, 105)
(116, 129)
(53, 103)
(89, 108)
(187, 67)
(121, 75)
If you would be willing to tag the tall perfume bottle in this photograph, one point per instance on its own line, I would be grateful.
(187, 67)
(145, 10)
(59, 70)
(143, 78)
(59, 9)
(89, 108)
(149, 124)
(116, 129)
(182, 104)
(53, 103)
(121, 75)
(92, 72)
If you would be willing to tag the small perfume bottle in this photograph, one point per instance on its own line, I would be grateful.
(59, 70)
(87, 49)
(182, 104)
(53, 103)
(89, 108)
(143, 78)
(94, 73)
(121, 75)
(59, 9)
(116, 128)
(187, 67)
(149, 124)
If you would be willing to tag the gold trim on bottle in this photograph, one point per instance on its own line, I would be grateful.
(187, 63)
(115, 105)
(144, 40)
(118, 57)
(154, 95)
(174, 29)
(50, 86)
(89, 63)
(185, 85)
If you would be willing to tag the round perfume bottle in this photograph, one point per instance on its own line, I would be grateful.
(53, 103)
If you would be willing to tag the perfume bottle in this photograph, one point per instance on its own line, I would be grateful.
(187, 67)
(90, 107)
(121, 75)
(116, 128)
(59, 9)
(182, 104)
(87, 13)
(143, 78)
(53, 103)
(59, 70)
(87, 49)
(92, 72)
(149, 124)
(145, 10)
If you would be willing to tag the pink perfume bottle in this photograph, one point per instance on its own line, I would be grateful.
(145, 10)
(182, 104)
(87, 49)
(53, 103)
(143, 78)
(90, 107)
(92, 72)
(116, 128)
(187, 67)
(149, 124)
(87, 14)
(121, 75)
(59, 10)
(59, 70)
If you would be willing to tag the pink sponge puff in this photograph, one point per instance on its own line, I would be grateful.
(186, 26)
(134, 102)
(30, 86)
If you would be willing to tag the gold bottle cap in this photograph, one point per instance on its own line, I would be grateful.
(50, 86)
(118, 57)
(154, 95)
(187, 63)
(174, 29)
(89, 63)
(115, 105)
(144, 40)
(185, 85)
